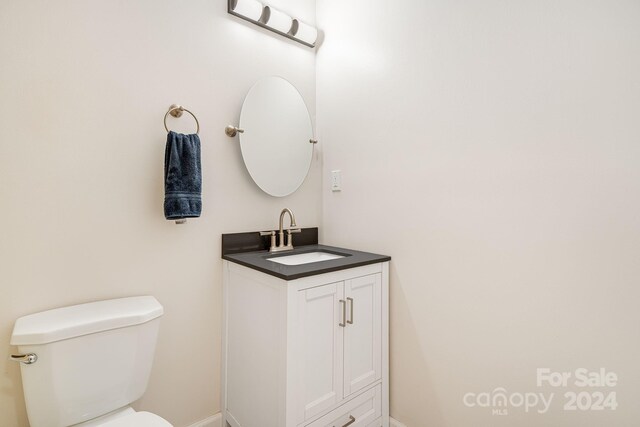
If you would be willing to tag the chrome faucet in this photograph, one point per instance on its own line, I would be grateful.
(281, 245)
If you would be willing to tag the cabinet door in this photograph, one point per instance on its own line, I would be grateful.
(363, 334)
(320, 311)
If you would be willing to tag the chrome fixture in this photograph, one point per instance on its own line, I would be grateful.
(281, 246)
(352, 420)
(232, 131)
(25, 359)
(343, 306)
(274, 20)
(176, 111)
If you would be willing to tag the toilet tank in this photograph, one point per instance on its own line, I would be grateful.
(92, 358)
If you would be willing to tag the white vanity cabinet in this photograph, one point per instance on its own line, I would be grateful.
(306, 352)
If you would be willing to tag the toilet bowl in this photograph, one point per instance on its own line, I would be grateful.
(85, 364)
(127, 418)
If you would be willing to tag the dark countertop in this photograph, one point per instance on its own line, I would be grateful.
(257, 260)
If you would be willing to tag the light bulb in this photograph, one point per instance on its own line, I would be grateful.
(251, 9)
(306, 32)
(279, 20)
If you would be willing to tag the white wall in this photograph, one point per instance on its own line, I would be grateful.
(84, 87)
(493, 149)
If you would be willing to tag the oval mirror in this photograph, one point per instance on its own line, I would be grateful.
(275, 142)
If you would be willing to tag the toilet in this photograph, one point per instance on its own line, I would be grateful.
(85, 364)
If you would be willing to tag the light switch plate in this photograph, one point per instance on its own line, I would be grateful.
(336, 180)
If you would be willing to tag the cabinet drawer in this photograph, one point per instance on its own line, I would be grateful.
(360, 411)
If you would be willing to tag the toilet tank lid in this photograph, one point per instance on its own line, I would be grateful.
(83, 319)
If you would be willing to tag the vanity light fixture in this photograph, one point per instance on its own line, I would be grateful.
(274, 20)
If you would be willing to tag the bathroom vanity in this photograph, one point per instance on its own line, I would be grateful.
(305, 335)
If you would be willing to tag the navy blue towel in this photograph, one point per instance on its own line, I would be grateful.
(182, 177)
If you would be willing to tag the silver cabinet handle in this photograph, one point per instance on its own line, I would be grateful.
(350, 321)
(26, 359)
(344, 313)
(351, 421)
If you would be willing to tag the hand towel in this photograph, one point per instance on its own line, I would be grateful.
(182, 177)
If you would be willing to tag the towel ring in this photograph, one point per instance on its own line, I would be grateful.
(176, 111)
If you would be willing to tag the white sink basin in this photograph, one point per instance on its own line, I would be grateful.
(306, 258)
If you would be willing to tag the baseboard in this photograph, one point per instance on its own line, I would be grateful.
(216, 421)
(213, 421)
(394, 423)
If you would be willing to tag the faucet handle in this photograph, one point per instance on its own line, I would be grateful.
(290, 231)
(273, 238)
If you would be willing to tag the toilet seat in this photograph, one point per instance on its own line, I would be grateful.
(138, 419)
